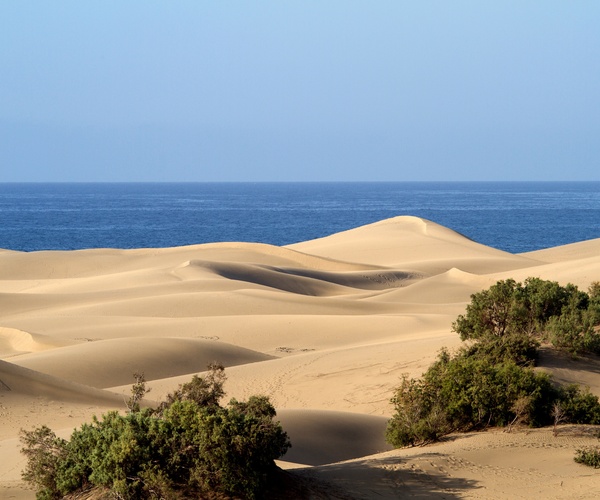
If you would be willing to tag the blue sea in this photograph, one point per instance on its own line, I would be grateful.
(512, 216)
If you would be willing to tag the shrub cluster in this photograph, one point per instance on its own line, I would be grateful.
(534, 310)
(491, 382)
(187, 447)
(588, 456)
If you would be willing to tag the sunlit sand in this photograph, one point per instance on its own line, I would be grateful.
(325, 328)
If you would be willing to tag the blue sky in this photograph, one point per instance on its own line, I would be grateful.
(299, 90)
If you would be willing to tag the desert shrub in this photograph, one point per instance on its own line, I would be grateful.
(467, 392)
(490, 381)
(588, 456)
(520, 348)
(45, 453)
(419, 418)
(545, 299)
(493, 312)
(138, 391)
(537, 309)
(579, 405)
(207, 391)
(594, 294)
(575, 331)
(190, 447)
(480, 393)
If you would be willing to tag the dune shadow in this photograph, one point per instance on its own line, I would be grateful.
(555, 361)
(383, 478)
(311, 282)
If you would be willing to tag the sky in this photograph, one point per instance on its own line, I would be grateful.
(312, 90)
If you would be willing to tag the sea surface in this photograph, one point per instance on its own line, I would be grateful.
(512, 216)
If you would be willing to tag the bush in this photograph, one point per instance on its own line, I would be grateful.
(45, 453)
(207, 391)
(419, 418)
(467, 392)
(579, 406)
(588, 456)
(574, 331)
(516, 347)
(490, 382)
(190, 447)
(566, 316)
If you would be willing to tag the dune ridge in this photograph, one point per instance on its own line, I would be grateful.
(325, 328)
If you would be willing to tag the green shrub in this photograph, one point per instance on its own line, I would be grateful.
(588, 456)
(207, 391)
(579, 406)
(45, 453)
(191, 447)
(574, 331)
(467, 392)
(493, 312)
(419, 418)
(490, 382)
(564, 315)
(519, 348)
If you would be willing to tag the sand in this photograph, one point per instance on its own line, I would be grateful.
(325, 328)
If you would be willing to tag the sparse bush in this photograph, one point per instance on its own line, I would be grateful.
(138, 391)
(45, 453)
(521, 409)
(191, 447)
(588, 456)
(206, 391)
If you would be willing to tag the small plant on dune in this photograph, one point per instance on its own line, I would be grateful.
(558, 416)
(191, 446)
(588, 456)
(138, 391)
(521, 408)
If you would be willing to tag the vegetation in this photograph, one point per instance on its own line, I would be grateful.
(537, 310)
(491, 380)
(189, 447)
(588, 456)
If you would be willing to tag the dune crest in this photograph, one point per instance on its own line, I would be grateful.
(14, 342)
(109, 363)
(415, 243)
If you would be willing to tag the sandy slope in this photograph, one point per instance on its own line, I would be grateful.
(326, 328)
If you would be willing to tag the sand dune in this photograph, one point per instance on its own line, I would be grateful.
(20, 380)
(573, 251)
(108, 363)
(414, 243)
(325, 328)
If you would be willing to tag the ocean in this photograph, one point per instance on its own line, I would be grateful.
(512, 216)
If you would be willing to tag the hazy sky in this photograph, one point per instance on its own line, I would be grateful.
(299, 90)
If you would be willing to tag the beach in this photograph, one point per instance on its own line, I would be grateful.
(325, 328)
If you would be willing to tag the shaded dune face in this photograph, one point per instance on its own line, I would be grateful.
(324, 437)
(325, 328)
(311, 282)
(18, 380)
